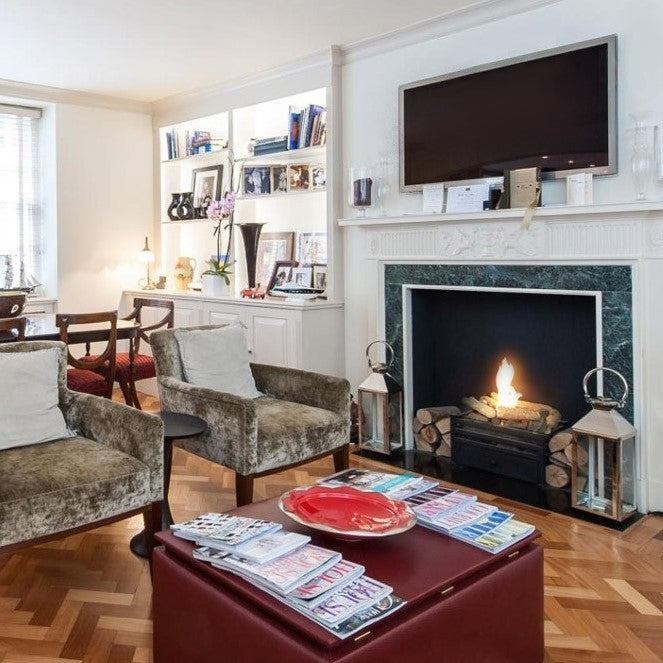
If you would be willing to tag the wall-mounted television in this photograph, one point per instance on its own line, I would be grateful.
(554, 109)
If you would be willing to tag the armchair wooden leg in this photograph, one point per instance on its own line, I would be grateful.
(342, 458)
(243, 489)
(126, 393)
(134, 395)
(152, 520)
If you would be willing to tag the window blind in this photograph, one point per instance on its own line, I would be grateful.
(21, 228)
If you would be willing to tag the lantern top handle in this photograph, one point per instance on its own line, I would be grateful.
(376, 366)
(603, 402)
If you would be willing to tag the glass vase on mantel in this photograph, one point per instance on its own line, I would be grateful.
(360, 189)
(642, 159)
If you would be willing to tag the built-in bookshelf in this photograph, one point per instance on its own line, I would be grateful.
(303, 205)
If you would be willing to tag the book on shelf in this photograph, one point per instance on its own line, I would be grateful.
(184, 143)
(223, 531)
(307, 127)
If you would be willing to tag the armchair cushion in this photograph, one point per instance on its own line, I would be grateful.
(291, 433)
(55, 486)
(217, 359)
(29, 395)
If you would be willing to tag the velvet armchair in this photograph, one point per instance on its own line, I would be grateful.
(111, 469)
(303, 416)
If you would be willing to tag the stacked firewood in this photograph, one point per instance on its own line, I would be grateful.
(535, 417)
(432, 429)
(558, 471)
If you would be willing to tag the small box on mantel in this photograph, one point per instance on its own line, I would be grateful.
(579, 189)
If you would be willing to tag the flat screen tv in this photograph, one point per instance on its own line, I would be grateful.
(554, 109)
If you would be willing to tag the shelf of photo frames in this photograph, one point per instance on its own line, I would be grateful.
(280, 194)
(303, 153)
(194, 158)
(179, 222)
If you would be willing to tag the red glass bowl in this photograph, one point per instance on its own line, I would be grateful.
(347, 512)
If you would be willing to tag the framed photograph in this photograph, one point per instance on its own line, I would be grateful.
(279, 179)
(312, 248)
(256, 180)
(282, 273)
(299, 177)
(302, 276)
(273, 247)
(320, 277)
(206, 185)
(319, 176)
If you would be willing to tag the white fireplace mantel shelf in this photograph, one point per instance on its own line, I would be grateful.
(599, 211)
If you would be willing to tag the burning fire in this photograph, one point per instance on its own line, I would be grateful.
(507, 396)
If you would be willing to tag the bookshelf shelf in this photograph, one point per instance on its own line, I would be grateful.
(203, 156)
(282, 194)
(302, 154)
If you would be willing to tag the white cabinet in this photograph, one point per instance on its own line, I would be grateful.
(307, 336)
(40, 305)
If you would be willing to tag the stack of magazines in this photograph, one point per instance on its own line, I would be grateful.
(462, 517)
(394, 486)
(317, 582)
(444, 510)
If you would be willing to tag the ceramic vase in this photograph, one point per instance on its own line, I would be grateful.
(172, 208)
(185, 208)
(215, 286)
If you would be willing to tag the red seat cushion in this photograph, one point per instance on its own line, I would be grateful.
(87, 382)
(144, 367)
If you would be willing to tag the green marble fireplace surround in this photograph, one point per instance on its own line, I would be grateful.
(615, 282)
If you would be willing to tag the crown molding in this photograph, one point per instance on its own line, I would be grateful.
(56, 95)
(479, 13)
(318, 60)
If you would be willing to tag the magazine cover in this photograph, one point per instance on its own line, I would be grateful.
(473, 532)
(219, 528)
(319, 588)
(363, 618)
(429, 495)
(443, 505)
(272, 546)
(504, 536)
(472, 513)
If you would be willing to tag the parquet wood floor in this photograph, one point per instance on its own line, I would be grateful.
(86, 598)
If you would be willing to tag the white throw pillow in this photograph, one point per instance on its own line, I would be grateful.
(29, 410)
(217, 359)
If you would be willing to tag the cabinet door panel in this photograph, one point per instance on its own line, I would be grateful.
(270, 340)
(186, 315)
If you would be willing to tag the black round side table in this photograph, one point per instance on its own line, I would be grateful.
(177, 426)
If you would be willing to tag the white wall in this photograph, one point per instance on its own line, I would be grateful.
(104, 203)
(370, 111)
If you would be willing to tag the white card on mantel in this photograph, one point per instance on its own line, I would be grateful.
(433, 198)
(467, 198)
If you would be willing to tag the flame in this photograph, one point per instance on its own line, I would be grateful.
(507, 396)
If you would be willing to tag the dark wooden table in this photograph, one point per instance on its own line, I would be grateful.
(177, 426)
(41, 327)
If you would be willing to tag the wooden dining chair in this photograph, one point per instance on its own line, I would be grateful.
(143, 364)
(11, 325)
(90, 375)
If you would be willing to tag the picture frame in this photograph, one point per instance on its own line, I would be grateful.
(282, 273)
(312, 248)
(256, 180)
(318, 176)
(273, 247)
(319, 278)
(299, 177)
(279, 174)
(302, 276)
(206, 184)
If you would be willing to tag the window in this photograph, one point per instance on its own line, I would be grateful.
(21, 234)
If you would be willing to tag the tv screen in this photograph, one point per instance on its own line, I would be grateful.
(553, 110)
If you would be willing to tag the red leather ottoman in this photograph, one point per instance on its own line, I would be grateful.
(464, 605)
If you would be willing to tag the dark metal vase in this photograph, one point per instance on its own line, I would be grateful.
(251, 236)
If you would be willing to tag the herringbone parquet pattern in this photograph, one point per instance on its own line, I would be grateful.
(87, 598)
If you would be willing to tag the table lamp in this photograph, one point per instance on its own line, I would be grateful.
(147, 256)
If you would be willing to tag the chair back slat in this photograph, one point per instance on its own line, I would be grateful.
(168, 321)
(105, 359)
(10, 325)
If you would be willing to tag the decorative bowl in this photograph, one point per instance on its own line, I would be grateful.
(12, 303)
(346, 512)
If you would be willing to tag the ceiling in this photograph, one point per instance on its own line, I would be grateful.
(149, 49)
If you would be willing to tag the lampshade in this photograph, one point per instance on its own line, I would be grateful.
(146, 255)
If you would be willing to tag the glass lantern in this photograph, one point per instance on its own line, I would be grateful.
(380, 401)
(360, 189)
(603, 467)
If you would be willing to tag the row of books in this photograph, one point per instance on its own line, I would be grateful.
(316, 582)
(307, 127)
(185, 143)
(263, 146)
(444, 510)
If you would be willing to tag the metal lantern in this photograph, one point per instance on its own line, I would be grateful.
(603, 468)
(380, 401)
